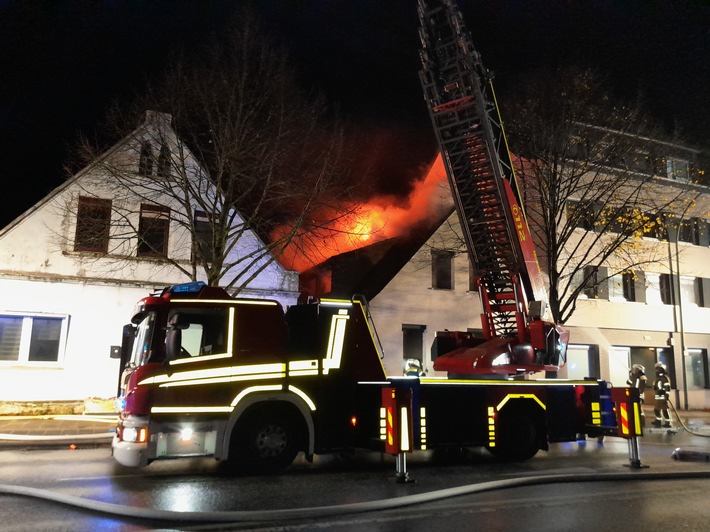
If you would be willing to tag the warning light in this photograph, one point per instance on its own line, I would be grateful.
(353, 421)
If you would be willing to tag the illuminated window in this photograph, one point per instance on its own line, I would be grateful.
(153, 231)
(93, 221)
(442, 272)
(32, 339)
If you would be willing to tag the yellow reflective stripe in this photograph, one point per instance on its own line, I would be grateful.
(201, 358)
(303, 396)
(520, 396)
(404, 429)
(303, 367)
(189, 409)
(218, 380)
(208, 373)
(253, 389)
(637, 419)
(225, 302)
(336, 341)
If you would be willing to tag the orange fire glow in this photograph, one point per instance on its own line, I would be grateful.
(380, 218)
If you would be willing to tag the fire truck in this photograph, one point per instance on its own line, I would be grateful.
(252, 384)
(243, 381)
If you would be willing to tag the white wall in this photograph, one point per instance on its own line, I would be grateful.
(96, 315)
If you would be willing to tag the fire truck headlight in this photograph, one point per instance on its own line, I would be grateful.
(134, 435)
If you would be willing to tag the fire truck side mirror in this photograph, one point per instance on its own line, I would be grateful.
(129, 335)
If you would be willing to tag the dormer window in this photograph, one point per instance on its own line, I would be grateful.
(145, 163)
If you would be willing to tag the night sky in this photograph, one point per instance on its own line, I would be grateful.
(63, 62)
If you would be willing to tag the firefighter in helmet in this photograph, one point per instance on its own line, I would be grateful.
(413, 368)
(662, 390)
(637, 379)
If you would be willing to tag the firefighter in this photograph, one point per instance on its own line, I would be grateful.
(662, 389)
(637, 379)
(413, 368)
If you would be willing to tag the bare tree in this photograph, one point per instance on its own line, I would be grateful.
(254, 156)
(590, 169)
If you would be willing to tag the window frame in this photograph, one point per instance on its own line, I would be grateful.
(87, 221)
(441, 261)
(26, 338)
(145, 246)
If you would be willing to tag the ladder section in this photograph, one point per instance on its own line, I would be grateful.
(467, 125)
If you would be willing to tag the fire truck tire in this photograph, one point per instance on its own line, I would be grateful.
(266, 440)
(518, 435)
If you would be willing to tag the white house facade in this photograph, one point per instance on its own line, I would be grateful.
(71, 272)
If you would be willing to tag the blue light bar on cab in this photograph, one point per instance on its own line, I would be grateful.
(187, 288)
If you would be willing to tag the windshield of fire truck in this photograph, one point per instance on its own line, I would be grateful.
(144, 336)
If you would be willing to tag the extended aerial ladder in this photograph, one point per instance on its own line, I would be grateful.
(469, 131)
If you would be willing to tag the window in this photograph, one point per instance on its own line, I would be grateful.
(583, 215)
(688, 290)
(413, 341)
(153, 230)
(629, 287)
(145, 161)
(616, 288)
(696, 369)
(204, 229)
(442, 270)
(689, 231)
(31, 339)
(93, 221)
(677, 169)
(164, 162)
(666, 289)
(596, 285)
(204, 332)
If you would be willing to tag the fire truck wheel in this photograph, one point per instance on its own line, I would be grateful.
(266, 441)
(518, 435)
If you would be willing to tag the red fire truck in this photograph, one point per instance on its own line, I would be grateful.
(253, 385)
(244, 381)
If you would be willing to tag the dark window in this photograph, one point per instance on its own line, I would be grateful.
(442, 269)
(666, 288)
(689, 231)
(44, 340)
(30, 338)
(164, 162)
(153, 231)
(661, 227)
(629, 283)
(584, 215)
(145, 162)
(413, 341)
(204, 244)
(596, 284)
(93, 221)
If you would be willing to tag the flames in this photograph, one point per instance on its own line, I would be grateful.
(377, 219)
